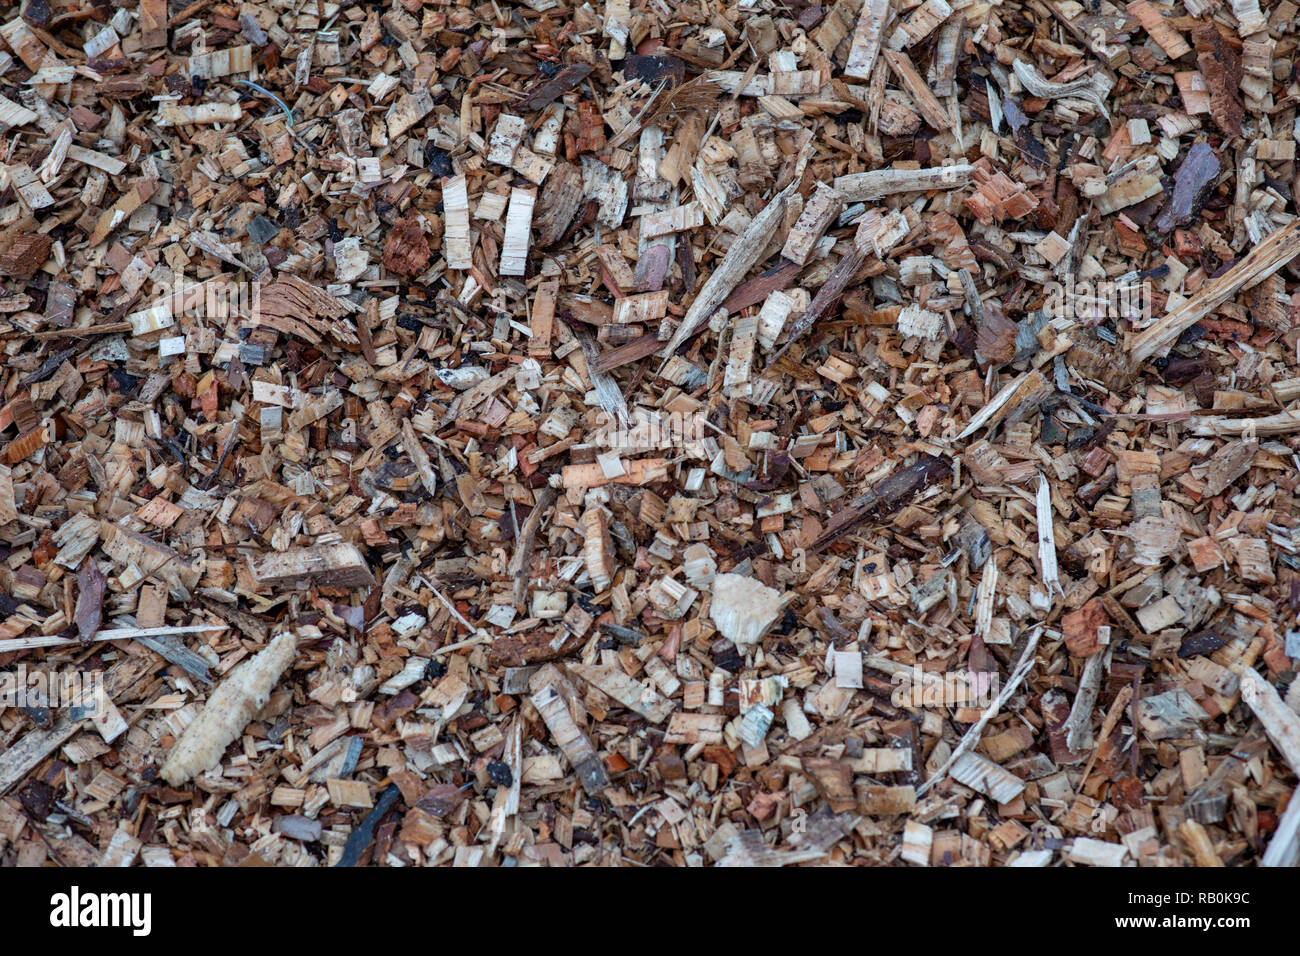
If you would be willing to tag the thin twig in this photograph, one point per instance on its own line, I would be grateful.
(972, 736)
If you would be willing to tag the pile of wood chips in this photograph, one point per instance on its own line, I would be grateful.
(559, 432)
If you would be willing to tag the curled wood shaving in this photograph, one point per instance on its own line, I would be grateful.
(1036, 84)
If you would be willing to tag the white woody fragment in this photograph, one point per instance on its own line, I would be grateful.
(228, 712)
(920, 24)
(79, 154)
(1078, 726)
(546, 139)
(407, 111)
(730, 82)
(743, 608)
(101, 42)
(1092, 852)
(632, 694)
(532, 167)
(1047, 538)
(369, 169)
(53, 74)
(776, 311)
(381, 86)
(597, 548)
(570, 738)
(122, 848)
(848, 669)
(735, 383)
(271, 423)
(350, 260)
(1031, 858)
(218, 63)
(339, 564)
(505, 139)
(921, 323)
(412, 671)
(1249, 18)
(866, 39)
(882, 230)
(818, 213)
(491, 206)
(49, 169)
(157, 316)
(794, 83)
(796, 724)
(11, 114)
(980, 773)
(865, 187)
(646, 307)
(172, 345)
(1084, 88)
(455, 205)
(1283, 728)
(29, 189)
(519, 223)
(419, 457)
(985, 596)
(199, 114)
(24, 43)
(754, 725)
(618, 24)
(668, 221)
(1280, 722)
(917, 842)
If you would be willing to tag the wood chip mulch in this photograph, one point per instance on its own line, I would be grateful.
(738, 433)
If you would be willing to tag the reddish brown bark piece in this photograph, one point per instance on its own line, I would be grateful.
(547, 92)
(886, 497)
(995, 338)
(406, 251)
(633, 351)
(24, 255)
(90, 599)
(1080, 628)
(336, 565)
(833, 780)
(1221, 66)
(588, 131)
(153, 23)
(760, 287)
